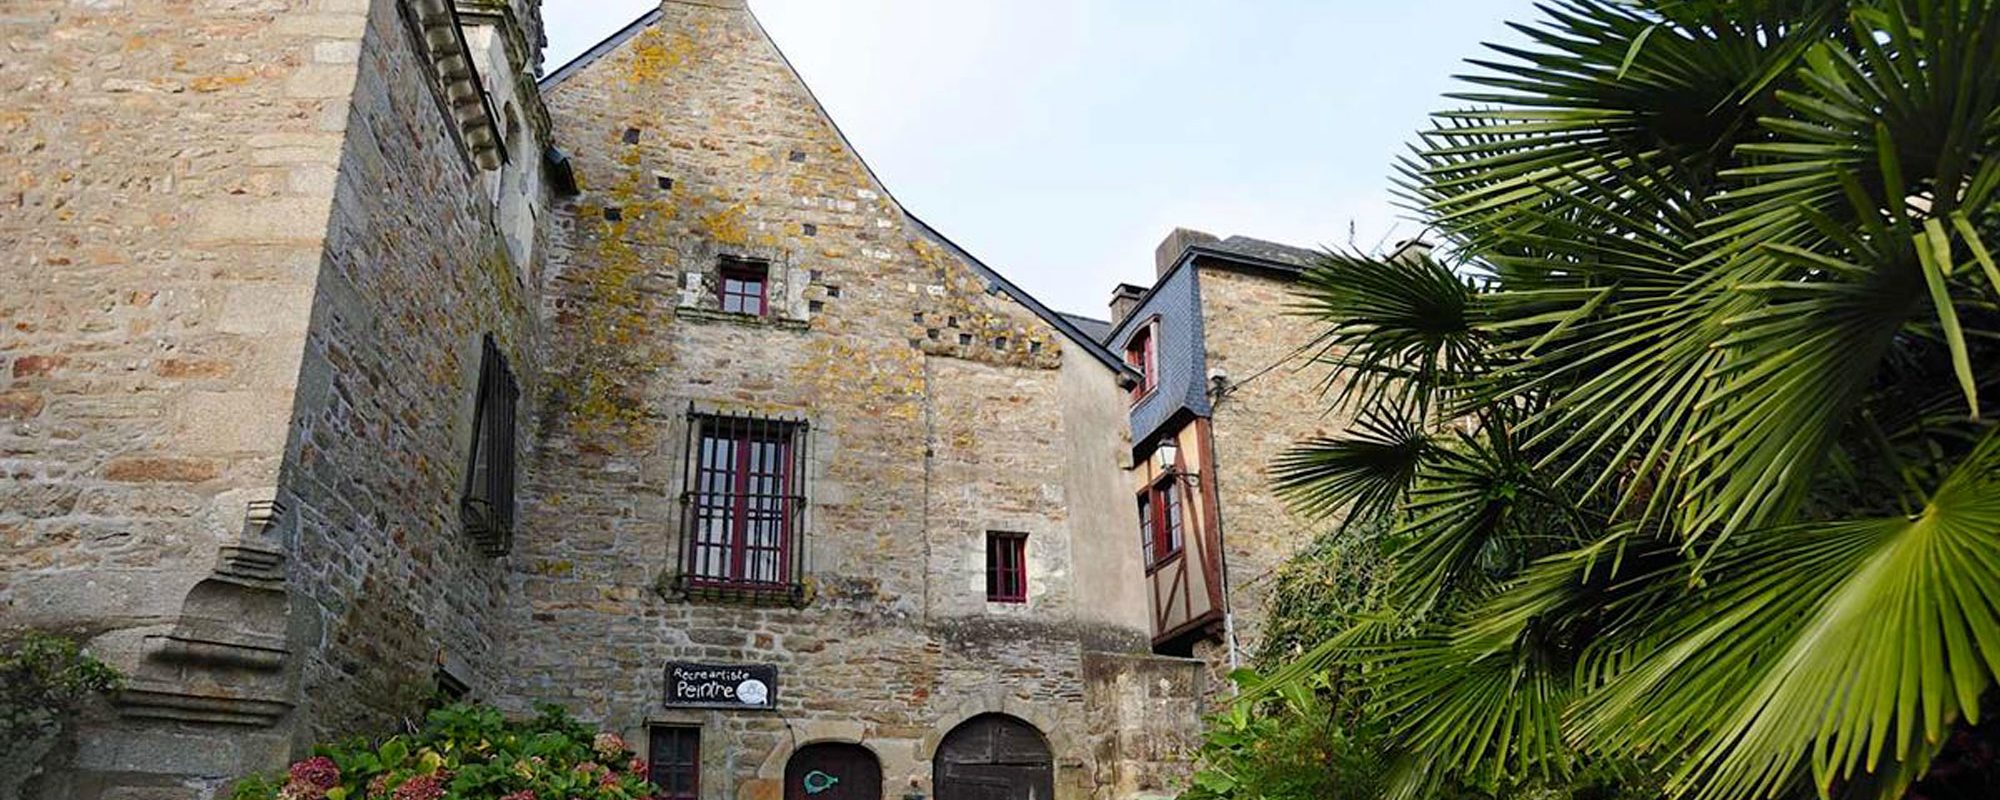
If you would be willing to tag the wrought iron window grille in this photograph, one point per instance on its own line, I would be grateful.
(744, 502)
(487, 507)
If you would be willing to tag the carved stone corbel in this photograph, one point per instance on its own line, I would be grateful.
(224, 661)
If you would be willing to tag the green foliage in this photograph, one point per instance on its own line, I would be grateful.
(1292, 747)
(467, 752)
(1319, 734)
(1691, 470)
(44, 679)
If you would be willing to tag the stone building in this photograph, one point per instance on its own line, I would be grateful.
(350, 357)
(1228, 380)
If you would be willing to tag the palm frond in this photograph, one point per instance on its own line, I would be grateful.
(1838, 647)
(1369, 470)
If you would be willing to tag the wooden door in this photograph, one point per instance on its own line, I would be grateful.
(833, 772)
(994, 757)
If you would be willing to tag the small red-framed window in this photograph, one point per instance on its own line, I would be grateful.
(1162, 519)
(1143, 354)
(675, 762)
(1006, 567)
(743, 286)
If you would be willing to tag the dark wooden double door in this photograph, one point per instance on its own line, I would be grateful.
(833, 772)
(994, 757)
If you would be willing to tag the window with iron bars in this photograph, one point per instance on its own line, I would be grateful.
(487, 507)
(1006, 567)
(743, 503)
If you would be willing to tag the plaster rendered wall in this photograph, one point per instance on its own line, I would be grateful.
(1250, 334)
(939, 410)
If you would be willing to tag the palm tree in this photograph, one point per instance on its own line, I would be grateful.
(1681, 450)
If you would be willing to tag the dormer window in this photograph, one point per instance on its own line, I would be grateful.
(743, 286)
(1142, 354)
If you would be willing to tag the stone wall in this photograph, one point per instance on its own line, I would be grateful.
(417, 271)
(1274, 401)
(168, 181)
(246, 275)
(237, 396)
(939, 410)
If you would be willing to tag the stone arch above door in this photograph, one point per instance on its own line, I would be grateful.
(833, 771)
(1035, 715)
(994, 757)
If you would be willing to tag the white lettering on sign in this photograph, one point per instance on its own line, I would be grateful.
(725, 686)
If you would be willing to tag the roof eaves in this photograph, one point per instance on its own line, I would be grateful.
(1095, 348)
(1246, 259)
(1188, 255)
(597, 51)
(1000, 283)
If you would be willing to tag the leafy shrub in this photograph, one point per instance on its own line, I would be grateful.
(44, 680)
(1300, 734)
(1295, 747)
(467, 752)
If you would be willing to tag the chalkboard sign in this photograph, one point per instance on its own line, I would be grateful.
(743, 687)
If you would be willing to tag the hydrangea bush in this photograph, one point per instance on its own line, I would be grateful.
(467, 752)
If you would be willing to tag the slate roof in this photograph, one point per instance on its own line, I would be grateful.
(1094, 328)
(1268, 251)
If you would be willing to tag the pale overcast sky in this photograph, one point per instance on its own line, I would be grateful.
(1060, 140)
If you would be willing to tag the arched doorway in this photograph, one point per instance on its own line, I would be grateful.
(833, 772)
(994, 757)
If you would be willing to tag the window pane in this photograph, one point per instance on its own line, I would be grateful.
(1146, 526)
(742, 530)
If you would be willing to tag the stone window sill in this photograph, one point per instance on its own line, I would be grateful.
(746, 320)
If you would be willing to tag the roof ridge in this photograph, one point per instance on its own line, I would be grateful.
(995, 280)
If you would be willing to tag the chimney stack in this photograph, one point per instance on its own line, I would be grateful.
(1170, 250)
(1124, 299)
(1410, 250)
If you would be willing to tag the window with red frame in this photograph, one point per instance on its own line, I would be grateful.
(1143, 355)
(1161, 521)
(1006, 567)
(744, 502)
(674, 762)
(743, 286)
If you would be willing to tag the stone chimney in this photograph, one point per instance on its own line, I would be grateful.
(1124, 298)
(1410, 250)
(1174, 245)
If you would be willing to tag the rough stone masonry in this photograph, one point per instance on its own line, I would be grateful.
(262, 264)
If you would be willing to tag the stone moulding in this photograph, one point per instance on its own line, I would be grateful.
(500, 14)
(224, 662)
(464, 97)
(166, 701)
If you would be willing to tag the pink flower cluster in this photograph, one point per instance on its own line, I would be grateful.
(608, 745)
(311, 778)
(422, 787)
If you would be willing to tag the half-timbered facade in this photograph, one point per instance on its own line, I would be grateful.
(1231, 382)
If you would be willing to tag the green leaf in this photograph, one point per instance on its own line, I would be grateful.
(394, 752)
(1970, 236)
(1217, 782)
(1632, 53)
(1934, 253)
